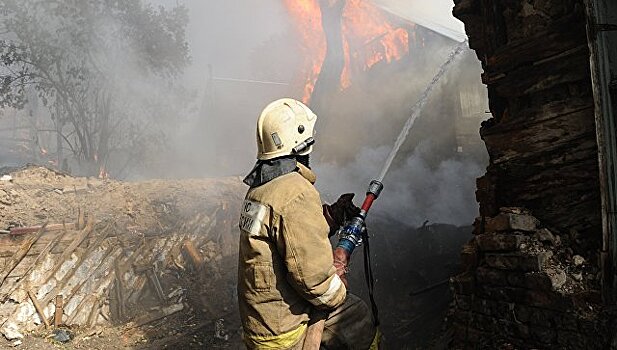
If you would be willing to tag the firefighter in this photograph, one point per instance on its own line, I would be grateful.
(286, 268)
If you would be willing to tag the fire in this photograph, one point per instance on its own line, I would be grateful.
(307, 16)
(103, 174)
(368, 38)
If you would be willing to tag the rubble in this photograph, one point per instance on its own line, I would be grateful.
(61, 335)
(10, 330)
(116, 255)
(521, 286)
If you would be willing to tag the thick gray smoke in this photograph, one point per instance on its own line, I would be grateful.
(415, 191)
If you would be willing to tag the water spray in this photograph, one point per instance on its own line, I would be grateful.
(350, 235)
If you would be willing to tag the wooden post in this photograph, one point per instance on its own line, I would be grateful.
(20, 254)
(59, 310)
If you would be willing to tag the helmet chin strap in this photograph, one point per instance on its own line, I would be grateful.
(304, 160)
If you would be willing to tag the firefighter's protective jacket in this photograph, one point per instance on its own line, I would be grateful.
(285, 261)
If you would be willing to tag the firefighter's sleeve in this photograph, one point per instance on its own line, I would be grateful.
(303, 243)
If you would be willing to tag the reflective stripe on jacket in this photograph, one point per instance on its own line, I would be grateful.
(285, 261)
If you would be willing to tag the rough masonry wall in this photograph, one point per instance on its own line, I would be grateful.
(541, 139)
(531, 276)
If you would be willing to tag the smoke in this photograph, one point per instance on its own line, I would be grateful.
(414, 192)
(245, 53)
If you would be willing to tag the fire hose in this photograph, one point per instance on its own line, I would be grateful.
(351, 235)
(354, 234)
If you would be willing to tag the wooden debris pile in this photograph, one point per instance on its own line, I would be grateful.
(105, 272)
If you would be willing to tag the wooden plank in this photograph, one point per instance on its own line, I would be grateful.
(19, 255)
(157, 315)
(550, 42)
(58, 287)
(98, 269)
(532, 79)
(17, 231)
(106, 280)
(38, 308)
(36, 262)
(10, 244)
(94, 312)
(67, 253)
(80, 307)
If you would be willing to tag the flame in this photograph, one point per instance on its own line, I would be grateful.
(103, 174)
(307, 16)
(368, 38)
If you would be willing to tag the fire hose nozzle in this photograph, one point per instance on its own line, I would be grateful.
(373, 191)
(375, 188)
(350, 235)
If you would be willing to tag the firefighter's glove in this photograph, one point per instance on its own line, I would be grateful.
(338, 213)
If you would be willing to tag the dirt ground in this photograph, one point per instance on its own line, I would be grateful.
(35, 195)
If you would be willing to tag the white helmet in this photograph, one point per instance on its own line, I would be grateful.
(285, 127)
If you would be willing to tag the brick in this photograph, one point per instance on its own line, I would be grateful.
(486, 323)
(463, 302)
(535, 316)
(511, 222)
(544, 299)
(469, 256)
(485, 275)
(543, 317)
(462, 316)
(571, 340)
(543, 335)
(541, 299)
(544, 235)
(522, 313)
(499, 242)
(465, 336)
(568, 322)
(522, 331)
(530, 280)
(588, 326)
(489, 307)
(505, 294)
(521, 262)
(464, 283)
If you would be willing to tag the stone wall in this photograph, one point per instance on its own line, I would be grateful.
(541, 137)
(531, 276)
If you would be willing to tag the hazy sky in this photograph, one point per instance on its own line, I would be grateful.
(219, 34)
